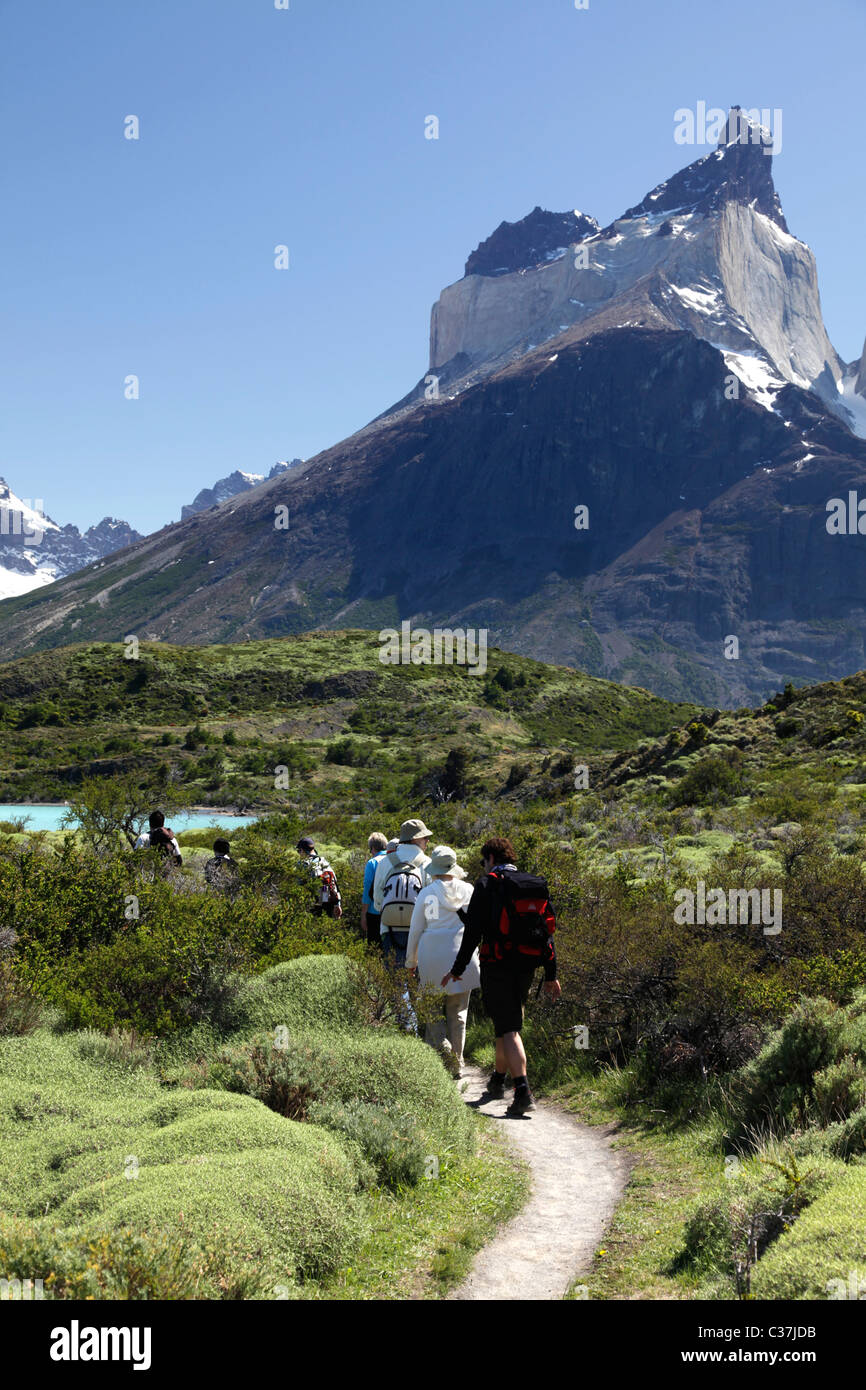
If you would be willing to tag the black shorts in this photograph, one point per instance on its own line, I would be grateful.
(505, 992)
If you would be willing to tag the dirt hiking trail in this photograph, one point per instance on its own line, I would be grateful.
(577, 1180)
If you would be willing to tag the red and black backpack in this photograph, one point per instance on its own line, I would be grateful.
(522, 918)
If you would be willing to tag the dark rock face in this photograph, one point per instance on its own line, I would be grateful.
(537, 237)
(707, 518)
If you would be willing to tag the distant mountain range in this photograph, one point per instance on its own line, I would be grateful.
(620, 457)
(35, 551)
(232, 486)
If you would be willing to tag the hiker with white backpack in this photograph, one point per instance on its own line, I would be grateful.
(400, 877)
(435, 938)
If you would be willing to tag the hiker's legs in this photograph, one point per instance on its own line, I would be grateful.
(457, 1011)
(505, 992)
(510, 1055)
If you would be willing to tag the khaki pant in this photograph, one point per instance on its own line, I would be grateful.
(452, 1026)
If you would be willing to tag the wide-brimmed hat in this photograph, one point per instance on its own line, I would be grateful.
(443, 860)
(413, 830)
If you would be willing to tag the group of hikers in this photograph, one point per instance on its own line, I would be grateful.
(456, 937)
(221, 871)
(425, 916)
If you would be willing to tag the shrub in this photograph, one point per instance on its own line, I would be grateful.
(125, 1264)
(285, 1075)
(20, 1010)
(211, 1165)
(713, 779)
(312, 992)
(386, 1136)
(839, 1090)
(728, 1231)
(778, 1086)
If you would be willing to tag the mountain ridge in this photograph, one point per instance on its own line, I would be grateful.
(692, 405)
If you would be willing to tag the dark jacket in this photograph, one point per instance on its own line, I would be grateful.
(482, 931)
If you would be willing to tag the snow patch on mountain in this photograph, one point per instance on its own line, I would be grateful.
(761, 382)
(35, 551)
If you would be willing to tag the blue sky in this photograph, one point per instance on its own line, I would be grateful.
(305, 127)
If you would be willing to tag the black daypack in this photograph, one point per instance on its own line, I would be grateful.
(523, 920)
(161, 839)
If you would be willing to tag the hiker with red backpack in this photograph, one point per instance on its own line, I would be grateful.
(160, 837)
(327, 898)
(511, 917)
(400, 876)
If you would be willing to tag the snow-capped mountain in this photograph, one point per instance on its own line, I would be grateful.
(232, 486)
(708, 251)
(35, 551)
(626, 463)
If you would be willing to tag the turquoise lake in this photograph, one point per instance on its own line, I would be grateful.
(49, 818)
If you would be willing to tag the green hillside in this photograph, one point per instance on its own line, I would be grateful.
(346, 726)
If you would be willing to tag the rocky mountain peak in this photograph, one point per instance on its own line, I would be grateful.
(232, 486)
(536, 239)
(739, 170)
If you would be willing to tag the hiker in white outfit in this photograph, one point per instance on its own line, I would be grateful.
(435, 934)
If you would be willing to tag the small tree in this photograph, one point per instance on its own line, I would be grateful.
(105, 808)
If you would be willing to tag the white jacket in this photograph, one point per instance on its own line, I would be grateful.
(405, 854)
(436, 934)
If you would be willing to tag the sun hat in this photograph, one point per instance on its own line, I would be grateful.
(413, 830)
(443, 860)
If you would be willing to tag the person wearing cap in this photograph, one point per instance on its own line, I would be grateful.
(221, 872)
(411, 849)
(377, 846)
(327, 893)
(435, 938)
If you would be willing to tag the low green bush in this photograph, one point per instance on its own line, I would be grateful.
(309, 992)
(777, 1088)
(124, 1264)
(823, 1254)
(730, 1228)
(386, 1136)
(286, 1076)
(86, 1144)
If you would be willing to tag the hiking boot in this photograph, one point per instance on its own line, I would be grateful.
(495, 1088)
(523, 1100)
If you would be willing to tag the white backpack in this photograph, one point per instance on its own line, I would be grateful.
(402, 887)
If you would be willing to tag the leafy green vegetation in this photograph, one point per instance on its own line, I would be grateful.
(706, 1041)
